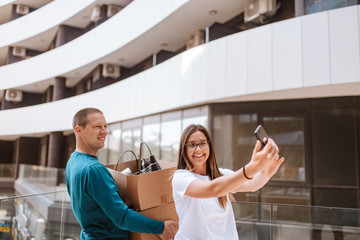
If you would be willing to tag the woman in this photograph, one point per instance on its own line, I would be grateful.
(201, 189)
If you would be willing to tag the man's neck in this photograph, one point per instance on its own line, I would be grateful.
(90, 152)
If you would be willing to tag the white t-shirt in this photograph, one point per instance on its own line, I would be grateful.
(201, 218)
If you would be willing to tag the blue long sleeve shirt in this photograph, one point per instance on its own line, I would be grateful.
(97, 205)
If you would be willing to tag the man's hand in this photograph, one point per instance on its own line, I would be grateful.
(169, 230)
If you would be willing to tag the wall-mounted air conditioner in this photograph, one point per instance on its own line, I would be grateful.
(112, 10)
(195, 39)
(111, 70)
(13, 95)
(258, 10)
(19, 52)
(22, 9)
(95, 14)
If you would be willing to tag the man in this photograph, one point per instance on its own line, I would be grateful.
(95, 199)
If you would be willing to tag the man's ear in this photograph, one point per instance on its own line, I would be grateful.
(77, 129)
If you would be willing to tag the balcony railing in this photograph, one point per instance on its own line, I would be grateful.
(49, 216)
(43, 211)
(295, 222)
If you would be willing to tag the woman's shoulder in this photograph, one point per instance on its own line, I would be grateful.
(182, 172)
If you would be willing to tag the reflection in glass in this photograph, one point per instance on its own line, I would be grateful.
(170, 137)
(288, 195)
(114, 138)
(313, 6)
(234, 139)
(195, 120)
(332, 4)
(288, 133)
(136, 139)
(126, 144)
(151, 135)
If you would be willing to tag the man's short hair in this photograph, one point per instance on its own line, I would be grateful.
(80, 118)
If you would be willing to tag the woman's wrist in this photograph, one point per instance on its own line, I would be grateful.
(249, 171)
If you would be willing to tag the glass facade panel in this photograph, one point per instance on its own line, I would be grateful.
(136, 139)
(195, 120)
(288, 195)
(234, 139)
(335, 148)
(195, 116)
(126, 144)
(332, 4)
(114, 138)
(313, 6)
(151, 136)
(288, 133)
(170, 138)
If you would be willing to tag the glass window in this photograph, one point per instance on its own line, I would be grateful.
(313, 6)
(170, 137)
(151, 136)
(286, 195)
(332, 4)
(126, 140)
(114, 138)
(335, 147)
(195, 116)
(234, 139)
(130, 138)
(288, 133)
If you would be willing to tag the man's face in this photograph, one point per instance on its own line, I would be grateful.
(94, 134)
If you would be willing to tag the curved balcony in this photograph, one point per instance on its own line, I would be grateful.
(32, 32)
(245, 66)
(6, 7)
(115, 41)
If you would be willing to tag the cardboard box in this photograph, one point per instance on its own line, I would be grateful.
(147, 190)
(161, 213)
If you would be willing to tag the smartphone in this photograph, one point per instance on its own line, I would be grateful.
(261, 135)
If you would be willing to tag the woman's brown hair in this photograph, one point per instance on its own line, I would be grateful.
(212, 169)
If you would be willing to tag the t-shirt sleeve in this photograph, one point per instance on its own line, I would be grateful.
(226, 171)
(181, 181)
(102, 187)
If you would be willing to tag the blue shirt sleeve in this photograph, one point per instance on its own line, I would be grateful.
(102, 187)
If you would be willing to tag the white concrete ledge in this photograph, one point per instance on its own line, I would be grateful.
(43, 19)
(270, 62)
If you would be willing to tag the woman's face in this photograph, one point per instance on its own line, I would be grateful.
(197, 150)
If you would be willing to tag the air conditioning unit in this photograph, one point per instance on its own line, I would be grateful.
(22, 9)
(111, 70)
(12, 95)
(95, 14)
(195, 39)
(112, 10)
(258, 10)
(19, 52)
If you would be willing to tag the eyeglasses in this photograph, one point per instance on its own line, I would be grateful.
(192, 146)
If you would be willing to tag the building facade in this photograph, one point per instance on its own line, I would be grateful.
(153, 67)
